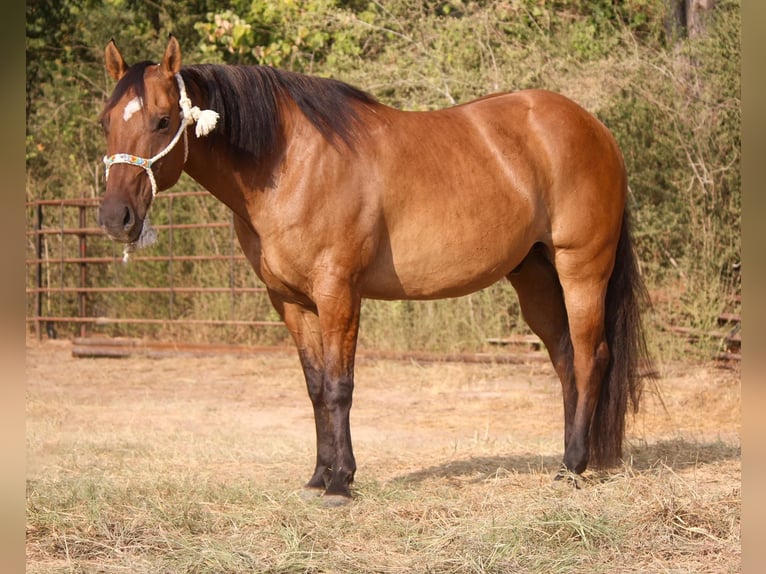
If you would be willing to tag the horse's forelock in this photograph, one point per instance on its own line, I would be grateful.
(132, 81)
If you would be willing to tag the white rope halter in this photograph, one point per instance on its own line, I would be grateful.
(206, 121)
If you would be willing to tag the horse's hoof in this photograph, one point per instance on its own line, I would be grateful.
(568, 478)
(335, 500)
(308, 494)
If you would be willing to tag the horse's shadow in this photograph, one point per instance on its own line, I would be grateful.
(676, 454)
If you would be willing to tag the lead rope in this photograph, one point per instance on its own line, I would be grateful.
(206, 121)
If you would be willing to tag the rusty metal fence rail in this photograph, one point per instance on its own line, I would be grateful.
(76, 279)
(77, 282)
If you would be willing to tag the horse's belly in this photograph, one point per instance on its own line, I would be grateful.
(446, 267)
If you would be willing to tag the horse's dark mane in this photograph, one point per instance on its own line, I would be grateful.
(248, 100)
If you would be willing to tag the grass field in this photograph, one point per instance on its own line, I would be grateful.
(192, 465)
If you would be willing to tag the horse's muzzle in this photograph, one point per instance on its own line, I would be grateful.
(119, 221)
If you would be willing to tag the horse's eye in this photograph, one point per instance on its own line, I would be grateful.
(163, 123)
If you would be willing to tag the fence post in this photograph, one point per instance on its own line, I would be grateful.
(232, 239)
(170, 258)
(83, 270)
(39, 274)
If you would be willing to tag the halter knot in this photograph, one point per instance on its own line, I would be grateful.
(206, 119)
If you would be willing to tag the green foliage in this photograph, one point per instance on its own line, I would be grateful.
(672, 102)
(679, 129)
(283, 33)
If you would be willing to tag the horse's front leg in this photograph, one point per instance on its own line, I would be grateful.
(303, 324)
(338, 306)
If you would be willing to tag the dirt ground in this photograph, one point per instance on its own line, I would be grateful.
(405, 414)
(447, 453)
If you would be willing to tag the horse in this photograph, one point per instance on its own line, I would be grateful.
(338, 197)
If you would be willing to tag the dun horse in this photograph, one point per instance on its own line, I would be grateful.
(338, 197)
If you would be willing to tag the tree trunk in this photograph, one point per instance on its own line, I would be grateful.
(697, 12)
(687, 17)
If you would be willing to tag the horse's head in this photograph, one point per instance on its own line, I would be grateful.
(143, 121)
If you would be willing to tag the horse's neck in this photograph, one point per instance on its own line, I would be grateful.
(241, 183)
(237, 186)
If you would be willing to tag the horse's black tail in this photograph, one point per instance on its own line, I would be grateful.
(629, 361)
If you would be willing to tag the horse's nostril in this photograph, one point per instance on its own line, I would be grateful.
(127, 221)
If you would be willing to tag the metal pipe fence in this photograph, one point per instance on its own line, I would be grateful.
(76, 279)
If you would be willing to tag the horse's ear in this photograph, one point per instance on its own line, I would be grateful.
(115, 65)
(171, 61)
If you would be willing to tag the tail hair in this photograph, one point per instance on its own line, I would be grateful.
(630, 362)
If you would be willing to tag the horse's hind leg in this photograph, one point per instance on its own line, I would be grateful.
(584, 279)
(542, 305)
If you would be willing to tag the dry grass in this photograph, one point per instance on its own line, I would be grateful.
(193, 465)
